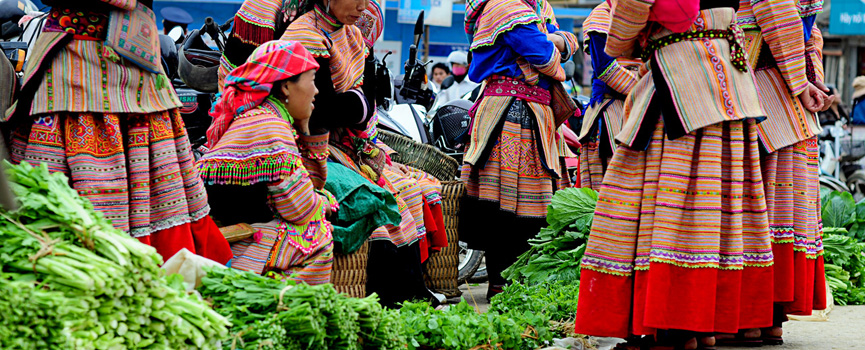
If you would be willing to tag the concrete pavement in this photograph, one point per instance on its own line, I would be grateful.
(845, 328)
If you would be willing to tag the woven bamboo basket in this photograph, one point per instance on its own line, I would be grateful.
(442, 268)
(420, 156)
(349, 272)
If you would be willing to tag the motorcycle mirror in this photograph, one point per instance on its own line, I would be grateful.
(418, 26)
(570, 67)
(418, 29)
(175, 33)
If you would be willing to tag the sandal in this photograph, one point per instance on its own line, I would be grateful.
(740, 340)
(674, 340)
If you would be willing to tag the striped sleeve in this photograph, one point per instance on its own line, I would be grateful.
(294, 198)
(313, 150)
(619, 78)
(781, 26)
(814, 50)
(628, 19)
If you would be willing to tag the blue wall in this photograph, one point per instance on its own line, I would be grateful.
(442, 39)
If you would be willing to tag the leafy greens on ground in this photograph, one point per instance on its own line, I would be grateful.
(556, 251)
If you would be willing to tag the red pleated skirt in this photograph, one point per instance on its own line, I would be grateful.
(792, 181)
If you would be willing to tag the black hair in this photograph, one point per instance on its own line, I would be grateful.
(442, 66)
(276, 91)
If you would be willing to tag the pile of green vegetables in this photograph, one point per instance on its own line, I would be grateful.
(556, 251)
(69, 280)
(270, 314)
(460, 327)
(557, 300)
(843, 246)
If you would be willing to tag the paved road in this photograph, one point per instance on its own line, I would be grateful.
(844, 330)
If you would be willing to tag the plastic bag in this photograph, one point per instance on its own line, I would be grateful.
(818, 315)
(190, 266)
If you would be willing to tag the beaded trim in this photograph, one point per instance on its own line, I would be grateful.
(734, 35)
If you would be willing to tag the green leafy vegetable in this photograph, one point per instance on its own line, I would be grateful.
(270, 314)
(556, 251)
(460, 327)
(556, 300)
(69, 280)
(839, 209)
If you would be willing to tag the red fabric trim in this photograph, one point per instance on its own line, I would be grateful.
(424, 249)
(673, 297)
(756, 302)
(820, 285)
(209, 241)
(800, 283)
(604, 304)
(439, 239)
(200, 237)
(784, 272)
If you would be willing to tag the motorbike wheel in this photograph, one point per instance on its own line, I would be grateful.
(856, 184)
(470, 261)
(480, 276)
(832, 184)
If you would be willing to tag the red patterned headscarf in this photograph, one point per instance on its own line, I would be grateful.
(248, 85)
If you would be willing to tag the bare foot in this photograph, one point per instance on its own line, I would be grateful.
(773, 331)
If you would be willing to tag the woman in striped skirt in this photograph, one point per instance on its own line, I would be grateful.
(788, 69)
(259, 164)
(340, 34)
(612, 80)
(681, 227)
(110, 121)
(512, 165)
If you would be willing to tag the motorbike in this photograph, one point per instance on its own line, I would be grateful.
(839, 156)
(193, 67)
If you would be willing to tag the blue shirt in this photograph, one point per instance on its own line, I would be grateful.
(524, 40)
(859, 111)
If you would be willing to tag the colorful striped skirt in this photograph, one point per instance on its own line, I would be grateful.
(137, 169)
(267, 252)
(791, 175)
(592, 167)
(507, 192)
(600, 141)
(513, 175)
(679, 231)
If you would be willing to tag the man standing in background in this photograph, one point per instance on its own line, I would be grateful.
(458, 84)
(175, 18)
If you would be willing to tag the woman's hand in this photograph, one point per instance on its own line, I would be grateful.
(558, 41)
(400, 169)
(813, 99)
(830, 98)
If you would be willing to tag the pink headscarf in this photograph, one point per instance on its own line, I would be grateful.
(675, 15)
(248, 85)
